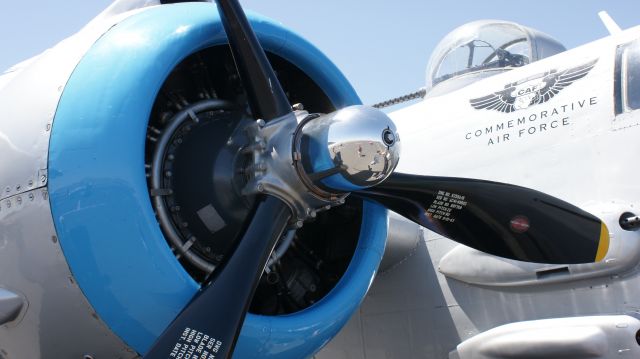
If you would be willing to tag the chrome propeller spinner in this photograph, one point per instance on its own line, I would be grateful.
(311, 162)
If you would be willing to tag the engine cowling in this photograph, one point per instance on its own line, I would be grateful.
(117, 103)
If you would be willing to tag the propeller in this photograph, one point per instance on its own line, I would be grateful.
(322, 158)
(497, 218)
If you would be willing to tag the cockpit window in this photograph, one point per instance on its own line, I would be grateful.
(484, 48)
(628, 77)
(479, 55)
(494, 46)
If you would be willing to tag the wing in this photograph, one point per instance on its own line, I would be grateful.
(557, 81)
(500, 101)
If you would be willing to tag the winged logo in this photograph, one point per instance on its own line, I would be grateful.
(532, 90)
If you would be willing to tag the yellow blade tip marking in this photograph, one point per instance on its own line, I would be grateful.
(603, 243)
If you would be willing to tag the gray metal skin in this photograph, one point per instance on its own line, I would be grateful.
(43, 312)
(445, 300)
(11, 305)
(56, 321)
(604, 336)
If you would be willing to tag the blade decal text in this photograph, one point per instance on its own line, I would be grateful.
(445, 206)
(195, 344)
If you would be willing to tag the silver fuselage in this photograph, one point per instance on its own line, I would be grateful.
(573, 146)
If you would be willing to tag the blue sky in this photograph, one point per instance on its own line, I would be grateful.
(382, 46)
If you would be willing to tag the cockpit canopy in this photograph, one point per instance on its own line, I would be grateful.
(484, 48)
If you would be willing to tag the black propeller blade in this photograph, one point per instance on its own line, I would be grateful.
(497, 218)
(265, 94)
(214, 317)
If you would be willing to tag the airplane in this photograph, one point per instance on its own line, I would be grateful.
(146, 183)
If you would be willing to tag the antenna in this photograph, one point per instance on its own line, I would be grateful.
(608, 22)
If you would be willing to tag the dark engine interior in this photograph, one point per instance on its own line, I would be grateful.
(195, 169)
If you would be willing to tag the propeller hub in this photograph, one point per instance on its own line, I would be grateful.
(312, 161)
(350, 149)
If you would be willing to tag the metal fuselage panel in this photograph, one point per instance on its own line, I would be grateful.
(570, 145)
(56, 321)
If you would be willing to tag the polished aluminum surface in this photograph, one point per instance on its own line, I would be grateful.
(273, 170)
(11, 304)
(403, 237)
(362, 141)
(598, 336)
(55, 320)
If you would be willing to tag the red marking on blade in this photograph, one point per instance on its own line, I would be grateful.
(519, 224)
